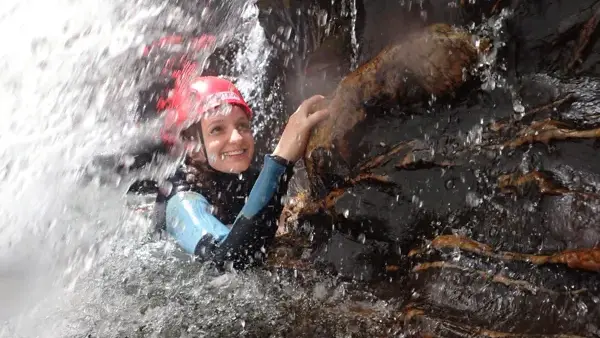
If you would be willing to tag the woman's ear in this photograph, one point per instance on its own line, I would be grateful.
(197, 153)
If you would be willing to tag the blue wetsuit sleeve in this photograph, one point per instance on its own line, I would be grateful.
(189, 221)
(263, 190)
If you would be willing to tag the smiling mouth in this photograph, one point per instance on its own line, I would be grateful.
(234, 153)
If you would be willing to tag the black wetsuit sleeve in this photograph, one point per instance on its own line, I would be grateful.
(256, 224)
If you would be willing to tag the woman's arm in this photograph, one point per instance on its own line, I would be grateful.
(197, 231)
(256, 224)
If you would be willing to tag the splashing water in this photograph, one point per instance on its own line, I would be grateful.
(52, 127)
(68, 93)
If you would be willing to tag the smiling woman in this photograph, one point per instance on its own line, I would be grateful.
(227, 139)
(217, 205)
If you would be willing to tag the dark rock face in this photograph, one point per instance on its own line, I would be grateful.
(483, 203)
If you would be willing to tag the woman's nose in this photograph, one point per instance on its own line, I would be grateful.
(235, 136)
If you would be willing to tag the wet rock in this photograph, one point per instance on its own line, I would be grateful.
(434, 61)
(480, 199)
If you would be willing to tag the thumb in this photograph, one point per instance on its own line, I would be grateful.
(317, 117)
(311, 101)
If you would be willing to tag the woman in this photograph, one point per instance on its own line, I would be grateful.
(217, 206)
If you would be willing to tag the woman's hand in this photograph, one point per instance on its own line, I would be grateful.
(294, 139)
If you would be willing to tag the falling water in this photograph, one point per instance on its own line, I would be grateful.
(69, 94)
(349, 8)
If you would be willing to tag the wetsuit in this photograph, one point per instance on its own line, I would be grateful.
(196, 213)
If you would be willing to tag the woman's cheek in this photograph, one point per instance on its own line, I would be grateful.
(212, 158)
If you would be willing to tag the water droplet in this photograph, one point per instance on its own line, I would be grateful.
(473, 200)
(287, 33)
(322, 18)
(518, 107)
(346, 213)
(128, 161)
(362, 238)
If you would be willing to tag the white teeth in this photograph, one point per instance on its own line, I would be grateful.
(233, 153)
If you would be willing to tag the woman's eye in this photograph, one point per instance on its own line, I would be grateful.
(215, 130)
(243, 126)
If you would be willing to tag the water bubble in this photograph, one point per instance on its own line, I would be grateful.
(449, 184)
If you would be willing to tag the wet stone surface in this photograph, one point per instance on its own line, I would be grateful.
(479, 202)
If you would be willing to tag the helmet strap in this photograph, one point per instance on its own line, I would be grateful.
(203, 147)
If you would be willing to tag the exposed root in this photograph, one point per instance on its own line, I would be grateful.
(410, 161)
(584, 259)
(584, 38)
(380, 160)
(382, 179)
(302, 205)
(501, 125)
(552, 105)
(514, 182)
(496, 278)
(548, 130)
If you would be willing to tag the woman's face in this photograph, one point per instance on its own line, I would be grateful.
(227, 138)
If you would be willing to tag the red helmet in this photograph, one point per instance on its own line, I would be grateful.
(190, 99)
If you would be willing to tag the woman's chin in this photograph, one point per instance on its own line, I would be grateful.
(234, 167)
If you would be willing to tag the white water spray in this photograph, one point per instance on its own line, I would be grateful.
(68, 94)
